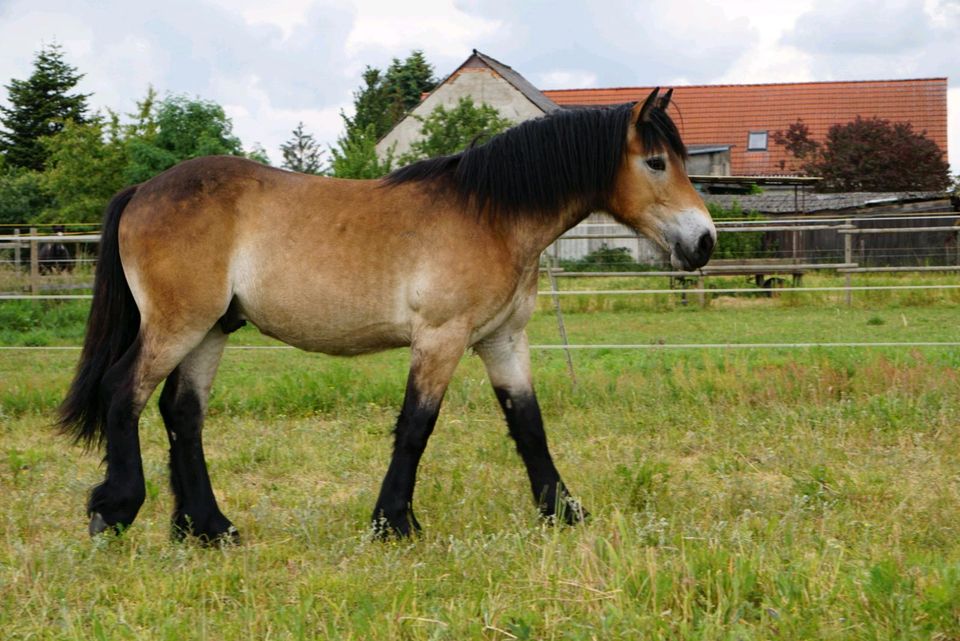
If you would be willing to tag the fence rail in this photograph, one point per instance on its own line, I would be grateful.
(22, 251)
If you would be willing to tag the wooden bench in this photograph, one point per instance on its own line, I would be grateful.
(767, 272)
(764, 270)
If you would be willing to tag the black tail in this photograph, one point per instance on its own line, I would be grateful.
(111, 329)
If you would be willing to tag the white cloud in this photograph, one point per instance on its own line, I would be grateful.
(286, 15)
(257, 120)
(385, 29)
(875, 27)
(274, 64)
(566, 79)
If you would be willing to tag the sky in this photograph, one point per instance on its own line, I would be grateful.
(274, 64)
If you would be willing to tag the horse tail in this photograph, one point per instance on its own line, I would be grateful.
(112, 328)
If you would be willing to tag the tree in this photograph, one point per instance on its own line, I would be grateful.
(39, 107)
(22, 196)
(382, 101)
(869, 154)
(405, 84)
(355, 155)
(258, 153)
(302, 153)
(450, 131)
(371, 106)
(798, 143)
(85, 166)
(181, 128)
(386, 98)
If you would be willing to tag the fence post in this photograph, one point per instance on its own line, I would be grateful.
(563, 330)
(34, 262)
(16, 249)
(848, 258)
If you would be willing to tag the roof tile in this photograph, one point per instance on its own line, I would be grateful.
(724, 114)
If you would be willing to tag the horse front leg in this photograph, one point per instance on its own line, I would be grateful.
(434, 356)
(507, 359)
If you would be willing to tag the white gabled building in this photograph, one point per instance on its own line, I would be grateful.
(483, 79)
(491, 82)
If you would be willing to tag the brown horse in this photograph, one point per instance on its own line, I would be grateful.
(440, 256)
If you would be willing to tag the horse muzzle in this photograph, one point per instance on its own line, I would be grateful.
(691, 239)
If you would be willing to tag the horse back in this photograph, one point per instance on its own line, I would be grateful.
(339, 266)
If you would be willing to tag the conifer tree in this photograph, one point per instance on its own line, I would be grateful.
(39, 107)
(302, 153)
(382, 101)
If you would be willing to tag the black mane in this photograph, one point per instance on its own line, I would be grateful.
(538, 166)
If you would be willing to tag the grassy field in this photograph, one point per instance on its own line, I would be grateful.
(754, 494)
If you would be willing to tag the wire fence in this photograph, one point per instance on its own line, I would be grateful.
(595, 346)
(787, 250)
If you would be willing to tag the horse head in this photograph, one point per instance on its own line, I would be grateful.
(653, 193)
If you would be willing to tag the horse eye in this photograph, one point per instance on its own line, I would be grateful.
(656, 163)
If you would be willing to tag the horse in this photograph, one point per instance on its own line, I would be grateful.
(54, 257)
(439, 256)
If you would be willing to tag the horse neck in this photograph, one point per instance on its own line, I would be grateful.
(533, 234)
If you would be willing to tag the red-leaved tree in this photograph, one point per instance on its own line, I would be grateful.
(868, 154)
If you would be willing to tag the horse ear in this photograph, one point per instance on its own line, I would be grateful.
(641, 111)
(665, 99)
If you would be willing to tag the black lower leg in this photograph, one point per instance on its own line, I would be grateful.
(526, 428)
(115, 502)
(393, 513)
(195, 507)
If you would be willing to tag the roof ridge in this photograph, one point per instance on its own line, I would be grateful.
(750, 84)
(521, 84)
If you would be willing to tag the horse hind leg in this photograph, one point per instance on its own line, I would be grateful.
(125, 389)
(115, 502)
(183, 404)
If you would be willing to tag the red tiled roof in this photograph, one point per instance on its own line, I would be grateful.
(725, 114)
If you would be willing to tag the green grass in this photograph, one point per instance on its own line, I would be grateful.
(789, 494)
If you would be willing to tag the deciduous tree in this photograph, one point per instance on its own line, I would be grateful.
(22, 196)
(183, 128)
(869, 154)
(447, 131)
(355, 155)
(85, 167)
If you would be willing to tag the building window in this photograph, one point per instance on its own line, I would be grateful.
(757, 141)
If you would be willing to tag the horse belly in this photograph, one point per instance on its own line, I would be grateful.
(341, 341)
(323, 320)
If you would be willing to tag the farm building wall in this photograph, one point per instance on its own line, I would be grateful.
(480, 83)
(714, 163)
(641, 249)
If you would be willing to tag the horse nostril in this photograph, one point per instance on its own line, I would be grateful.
(705, 246)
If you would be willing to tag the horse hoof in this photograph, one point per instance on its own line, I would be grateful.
(97, 524)
(228, 538)
(569, 511)
(401, 530)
